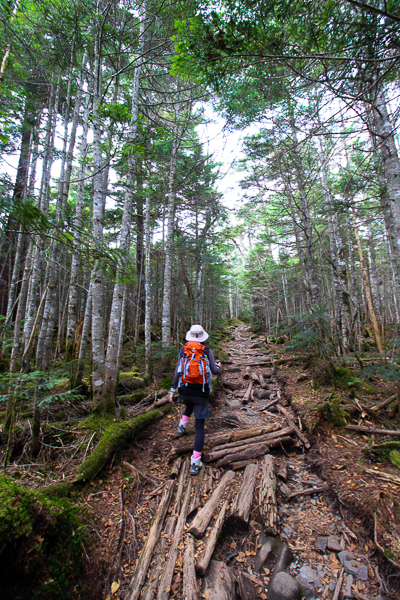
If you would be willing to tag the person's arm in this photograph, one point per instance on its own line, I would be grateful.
(213, 365)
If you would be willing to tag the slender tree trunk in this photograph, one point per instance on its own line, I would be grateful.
(166, 307)
(147, 288)
(87, 321)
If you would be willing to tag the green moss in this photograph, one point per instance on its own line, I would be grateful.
(166, 382)
(115, 436)
(394, 458)
(130, 381)
(133, 398)
(40, 541)
(332, 413)
(382, 451)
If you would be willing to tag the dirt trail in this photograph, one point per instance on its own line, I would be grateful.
(154, 555)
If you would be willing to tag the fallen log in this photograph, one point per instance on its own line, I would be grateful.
(205, 514)
(208, 480)
(243, 434)
(269, 404)
(136, 584)
(219, 583)
(220, 451)
(196, 498)
(246, 397)
(154, 575)
(190, 588)
(241, 464)
(384, 403)
(253, 451)
(301, 437)
(246, 588)
(181, 485)
(241, 507)
(267, 496)
(262, 381)
(371, 430)
(308, 492)
(247, 373)
(175, 468)
(263, 394)
(166, 578)
(282, 471)
(204, 559)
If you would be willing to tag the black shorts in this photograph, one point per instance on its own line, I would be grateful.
(198, 404)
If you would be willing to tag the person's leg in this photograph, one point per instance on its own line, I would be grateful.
(184, 422)
(198, 446)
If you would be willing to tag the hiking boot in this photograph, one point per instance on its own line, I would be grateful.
(195, 467)
(182, 429)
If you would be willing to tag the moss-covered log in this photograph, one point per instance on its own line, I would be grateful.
(131, 381)
(114, 438)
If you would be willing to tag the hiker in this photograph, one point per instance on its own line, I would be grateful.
(193, 378)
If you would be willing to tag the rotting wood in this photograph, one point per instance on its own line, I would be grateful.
(246, 588)
(181, 484)
(308, 492)
(301, 437)
(155, 573)
(219, 582)
(267, 495)
(205, 514)
(175, 468)
(362, 429)
(260, 438)
(208, 480)
(241, 464)
(253, 451)
(384, 403)
(139, 577)
(195, 501)
(190, 588)
(282, 470)
(166, 578)
(270, 442)
(246, 396)
(262, 381)
(204, 559)
(241, 507)
(247, 373)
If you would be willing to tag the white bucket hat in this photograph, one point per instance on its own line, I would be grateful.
(196, 334)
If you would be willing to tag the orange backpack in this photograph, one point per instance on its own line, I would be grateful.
(194, 366)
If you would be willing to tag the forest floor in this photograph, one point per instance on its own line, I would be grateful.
(358, 498)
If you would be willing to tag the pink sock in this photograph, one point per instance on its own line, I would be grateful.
(185, 419)
(196, 454)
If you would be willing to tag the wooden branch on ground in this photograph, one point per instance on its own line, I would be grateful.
(154, 575)
(219, 583)
(204, 559)
(249, 452)
(190, 588)
(151, 477)
(259, 438)
(246, 397)
(269, 404)
(267, 495)
(262, 381)
(224, 438)
(384, 403)
(309, 492)
(301, 437)
(205, 514)
(338, 585)
(282, 471)
(241, 506)
(181, 484)
(385, 476)
(139, 577)
(246, 588)
(166, 578)
(175, 468)
(372, 430)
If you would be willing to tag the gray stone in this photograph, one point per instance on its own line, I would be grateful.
(310, 575)
(307, 589)
(380, 597)
(284, 587)
(332, 586)
(235, 404)
(321, 544)
(334, 543)
(349, 592)
(345, 555)
(352, 567)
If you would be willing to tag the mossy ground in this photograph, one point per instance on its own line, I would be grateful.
(41, 543)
